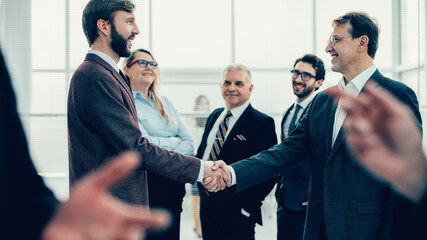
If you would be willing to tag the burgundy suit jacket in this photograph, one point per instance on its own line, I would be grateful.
(102, 122)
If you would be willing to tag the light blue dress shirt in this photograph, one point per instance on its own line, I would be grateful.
(158, 130)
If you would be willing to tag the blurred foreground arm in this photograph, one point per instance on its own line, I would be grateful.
(384, 136)
(92, 213)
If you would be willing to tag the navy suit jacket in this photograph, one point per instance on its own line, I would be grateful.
(343, 195)
(292, 187)
(26, 204)
(259, 131)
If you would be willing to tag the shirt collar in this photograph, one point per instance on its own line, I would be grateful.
(238, 111)
(106, 58)
(306, 101)
(356, 85)
(137, 94)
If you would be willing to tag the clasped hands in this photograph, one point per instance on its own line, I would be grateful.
(216, 176)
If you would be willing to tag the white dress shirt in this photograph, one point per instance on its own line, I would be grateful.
(353, 87)
(106, 58)
(303, 106)
(236, 113)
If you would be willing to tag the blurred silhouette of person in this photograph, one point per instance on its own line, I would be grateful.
(160, 123)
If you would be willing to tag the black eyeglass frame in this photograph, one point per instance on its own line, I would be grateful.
(305, 76)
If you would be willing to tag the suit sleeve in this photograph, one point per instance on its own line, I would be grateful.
(276, 160)
(103, 105)
(252, 197)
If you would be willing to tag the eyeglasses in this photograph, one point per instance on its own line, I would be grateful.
(143, 63)
(305, 76)
(333, 40)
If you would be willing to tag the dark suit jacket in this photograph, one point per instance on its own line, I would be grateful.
(26, 204)
(292, 187)
(352, 204)
(260, 134)
(102, 122)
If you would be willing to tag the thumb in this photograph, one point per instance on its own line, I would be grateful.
(215, 166)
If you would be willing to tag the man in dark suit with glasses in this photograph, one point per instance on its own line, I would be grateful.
(307, 76)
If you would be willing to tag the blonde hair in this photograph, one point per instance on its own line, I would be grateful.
(154, 88)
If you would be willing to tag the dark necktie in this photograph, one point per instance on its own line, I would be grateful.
(124, 78)
(219, 138)
(294, 119)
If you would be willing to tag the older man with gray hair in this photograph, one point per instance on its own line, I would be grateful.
(232, 133)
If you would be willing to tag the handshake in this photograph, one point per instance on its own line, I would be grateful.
(217, 176)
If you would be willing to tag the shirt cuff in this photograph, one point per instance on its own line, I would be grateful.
(201, 171)
(233, 175)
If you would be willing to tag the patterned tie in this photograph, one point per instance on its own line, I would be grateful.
(294, 119)
(219, 138)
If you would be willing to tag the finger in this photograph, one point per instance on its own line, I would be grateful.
(207, 180)
(221, 183)
(382, 98)
(115, 171)
(225, 179)
(221, 164)
(211, 188)
(211, 184)
(350, 104)
(215, 166)
(141, 218)
(229, 180)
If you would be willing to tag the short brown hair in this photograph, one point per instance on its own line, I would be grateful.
(102, 9)
(361, 24)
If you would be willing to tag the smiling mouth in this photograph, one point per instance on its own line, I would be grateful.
(334, 56)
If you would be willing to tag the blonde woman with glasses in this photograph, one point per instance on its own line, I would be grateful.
(160, 124)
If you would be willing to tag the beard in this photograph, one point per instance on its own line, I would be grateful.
(119, 43)
(307, 91)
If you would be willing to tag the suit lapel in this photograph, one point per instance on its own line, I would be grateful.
(282, 136)
(209, 124)
(116, 75)
(237, 127)
(376, 77)
(329, 120)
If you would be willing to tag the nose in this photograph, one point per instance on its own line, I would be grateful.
(299, 78)
(135, 29)
(148, 66)
(231, 88)
(329, 47)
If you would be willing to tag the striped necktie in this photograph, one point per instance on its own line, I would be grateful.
(219, 138)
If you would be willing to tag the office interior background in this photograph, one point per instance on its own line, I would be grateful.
(193, 41)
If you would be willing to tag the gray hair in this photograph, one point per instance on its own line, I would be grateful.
(237, 67)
